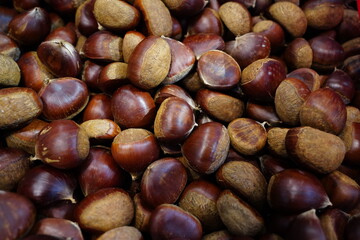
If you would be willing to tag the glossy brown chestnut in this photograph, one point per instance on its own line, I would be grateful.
(98, 107)
(342, 84)
(14, 163)
(199, 198)
(306, 226)
(85, 20)
(116, 15)
(9, 73)
(310, 77)
(18, 107)
(298, 54)
(44, 185)
(134, 149)
(90, 75)
(295, 191)
(310, 147)
(125, 233)
(174, 120)
(327, 53)
(274, 33)
(18, 215)
(103, 205)
(23, 5)
(149, 63)
(352, 231)
(247, 136)
(142, 214)
(185, 8)
(31, 27)
(170, 221)
(58, 227)
(344, 192)
(351, 137)
(261, 78)
(63, 98)
(62, 144)
(246, 180)
(103, 46)
(248, 48)
(60, 209)
(112, 76)
(177, 32)
(262, 113)
(34, 74)
(270, 165)
(349, 26)
(238, 217)
(351, 47)
(65, 33)
(207, 21)
(156, 16)
(9, 47)
(203, 42)
(333, 222)
(324, 109)
(218, 70)
(220, 106)
(163, 181)
(236, 17)
(129, 99)
(206, 148)
(289, 98)
(60, 57)
(173, 90)
(100, 170)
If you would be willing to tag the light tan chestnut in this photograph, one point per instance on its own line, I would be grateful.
(276, 140)
(9, 72)
(130, 41)
(149, 63)
(236, 17)
(314, 149)
(156, 16)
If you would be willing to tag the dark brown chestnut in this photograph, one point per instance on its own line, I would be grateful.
(206, 148)
(85, 20)
(295, 191)
(298, 54)
(270, 165)
(333, 222)
(352, 230)
(342, 84)
(207, 21)
(261, 78)
(45, 185)
(65, 33)
(310, 148)
(31, 27)
(185, 8)
(262, 113)
(351, 137)
(60, 209)
(310, 77)
(138, 102)
(14, 163)
(9, 47)
(6, 15)
(112, 76)
(98, 107)
(100, 170)
(18, 215)
(62, 144)
(57, 227)
(173, 90)
(163, 181)
(203, 42)
(274, 33)
(170, 221)
(63, 98)
(323, 109)
(60, 57)
(248, 48)
(134, 149)
(103, 205)
(90, 75)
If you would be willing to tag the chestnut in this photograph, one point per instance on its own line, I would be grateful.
(134, 149)
(85, 21)
(99, 170)
(14, 163)
(246, 180)
(130, 41)
(174, 120)
(206, 148)
(9, 47)
(149, 64)
(142, 214)
(351, 66)
(333, 222)
(349, 26)
(342, 84)
(163, 181)
(236, 17)
(9, 73)
(305, 144)
(207, 21)
(307, 75)
(248, 48)
(98, 107)
(129, 99)
(170, 221)
(261, 78)
(116, 15)
(63, 209)
(218, 70)
(101, 129)
(63, 98)
(273, 32)
(276, 141)
(124, 233)
(239, 217)
(219, 105)
(60, 57)
(270, 165)
(44, 185)
(203, 42)
(262, 113)
(62, 144)
(112, 76)
(6, 15)
(58, 227)
(351, 138)
(247, 136)
(156, 16)
(30, 27)
(18, 107)
(192, 82)
(298, 54)
(185, 8)
(295, 191)
(18, 215)
(323, 109)
(173, 90)
(111, 207)
(352, 231)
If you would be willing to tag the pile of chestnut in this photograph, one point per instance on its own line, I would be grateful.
(179, 119)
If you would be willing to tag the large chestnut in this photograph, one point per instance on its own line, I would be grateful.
(62, 144)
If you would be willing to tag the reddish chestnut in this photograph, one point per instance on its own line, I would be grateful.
(85, 20)
(112, 76)
(98, 107)
(203, 42)
(9, 47)
(62, 144)
(310, 77)
(185, 8)
(57, 227)
(90, 75)
(207, 21)
(262, 113)
(173, 90)
(351, 137)
(342, 84)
